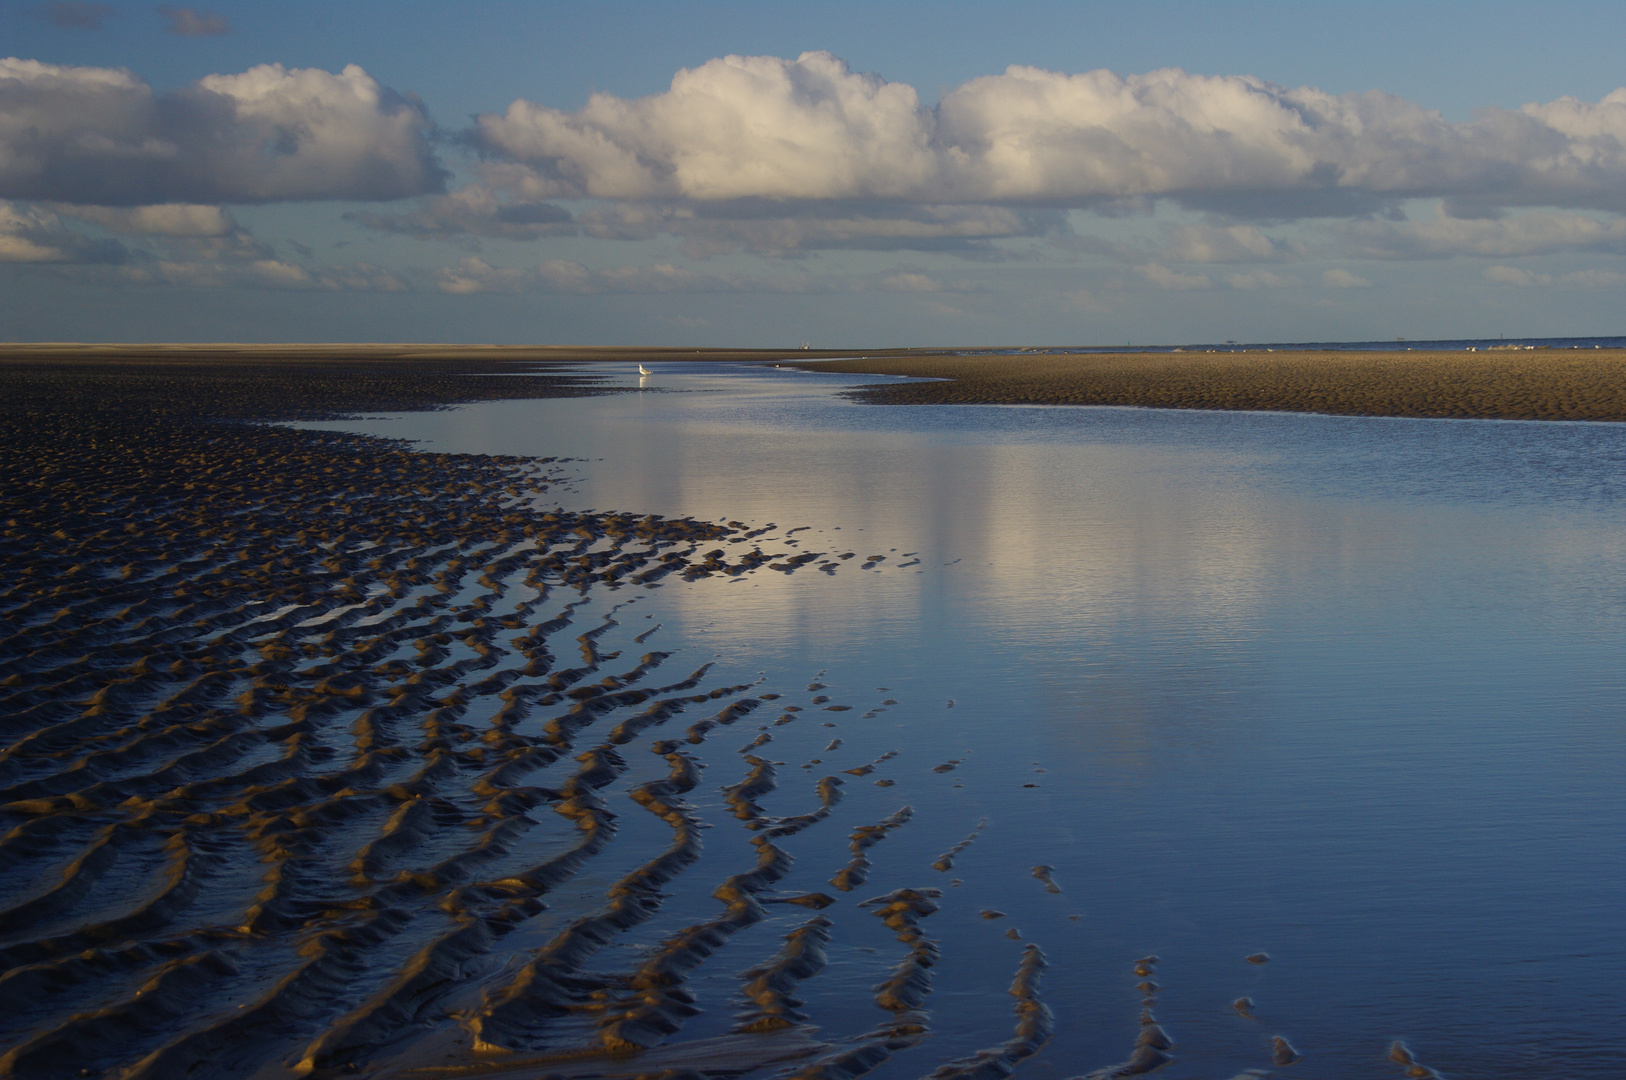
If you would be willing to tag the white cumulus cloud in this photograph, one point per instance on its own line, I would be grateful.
(1164, 278)
(102, 136)
(741, 127)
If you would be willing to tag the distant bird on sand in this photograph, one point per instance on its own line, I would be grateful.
(644, 371)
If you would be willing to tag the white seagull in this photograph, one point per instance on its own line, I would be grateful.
(644, 371)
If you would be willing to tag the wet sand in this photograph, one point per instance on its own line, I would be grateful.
(1534, 384)
(273, 707)
(321, 755)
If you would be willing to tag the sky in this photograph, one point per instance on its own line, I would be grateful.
(838, 174)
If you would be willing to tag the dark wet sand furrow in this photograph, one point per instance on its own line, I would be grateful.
(320, 985)
(902, 994)
(113, 1032)
(410, 825)
(856, 872)
(566, 951)
(658, 1003)
(93, 774)
(1152, 1044)
(1034, 1024)
(768, 989)
(29, 993)
(386, 1017)
(187, 870)
(35, 839)
(76, 880)
(905, 991)
(546, 986)
(632, 899)
(945, 861)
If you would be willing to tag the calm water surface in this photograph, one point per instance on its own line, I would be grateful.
(1347, 691)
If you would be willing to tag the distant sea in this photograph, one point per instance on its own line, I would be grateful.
(1448, 344)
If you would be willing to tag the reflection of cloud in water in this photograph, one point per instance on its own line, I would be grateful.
(1242, 680)
(1126, 721)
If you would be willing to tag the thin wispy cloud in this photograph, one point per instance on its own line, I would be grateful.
(1443, 237)
(73, 14)
(1225, 244)
(1585, 279)
(1164, 278)
(166, 219)
(475, 275)
(1260, 279)
(32, 234)
(1339, 278)
(190, 22)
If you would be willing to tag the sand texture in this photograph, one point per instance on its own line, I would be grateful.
(301, 733)
(1537, 384)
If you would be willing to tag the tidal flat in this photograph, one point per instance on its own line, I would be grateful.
(1486, 384)
(346, 731)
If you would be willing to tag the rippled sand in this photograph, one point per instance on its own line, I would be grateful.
(300, 734)
(1536, 384)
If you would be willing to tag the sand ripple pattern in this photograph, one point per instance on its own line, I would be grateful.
(315, 752)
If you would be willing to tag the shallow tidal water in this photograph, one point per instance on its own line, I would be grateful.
(1347, 692)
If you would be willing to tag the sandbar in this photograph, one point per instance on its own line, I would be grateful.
(1499, 384)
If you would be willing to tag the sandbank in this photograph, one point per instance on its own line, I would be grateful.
(1525, 384)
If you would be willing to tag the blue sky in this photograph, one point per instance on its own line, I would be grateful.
(845, 174)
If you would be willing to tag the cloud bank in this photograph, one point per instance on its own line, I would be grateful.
(763, 127)
(102, 136)
(781, 157)
(1537, 233)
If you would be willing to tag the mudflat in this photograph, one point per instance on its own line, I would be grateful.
(1498, 384)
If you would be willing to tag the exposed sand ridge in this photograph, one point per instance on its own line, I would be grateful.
(1539, 384)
